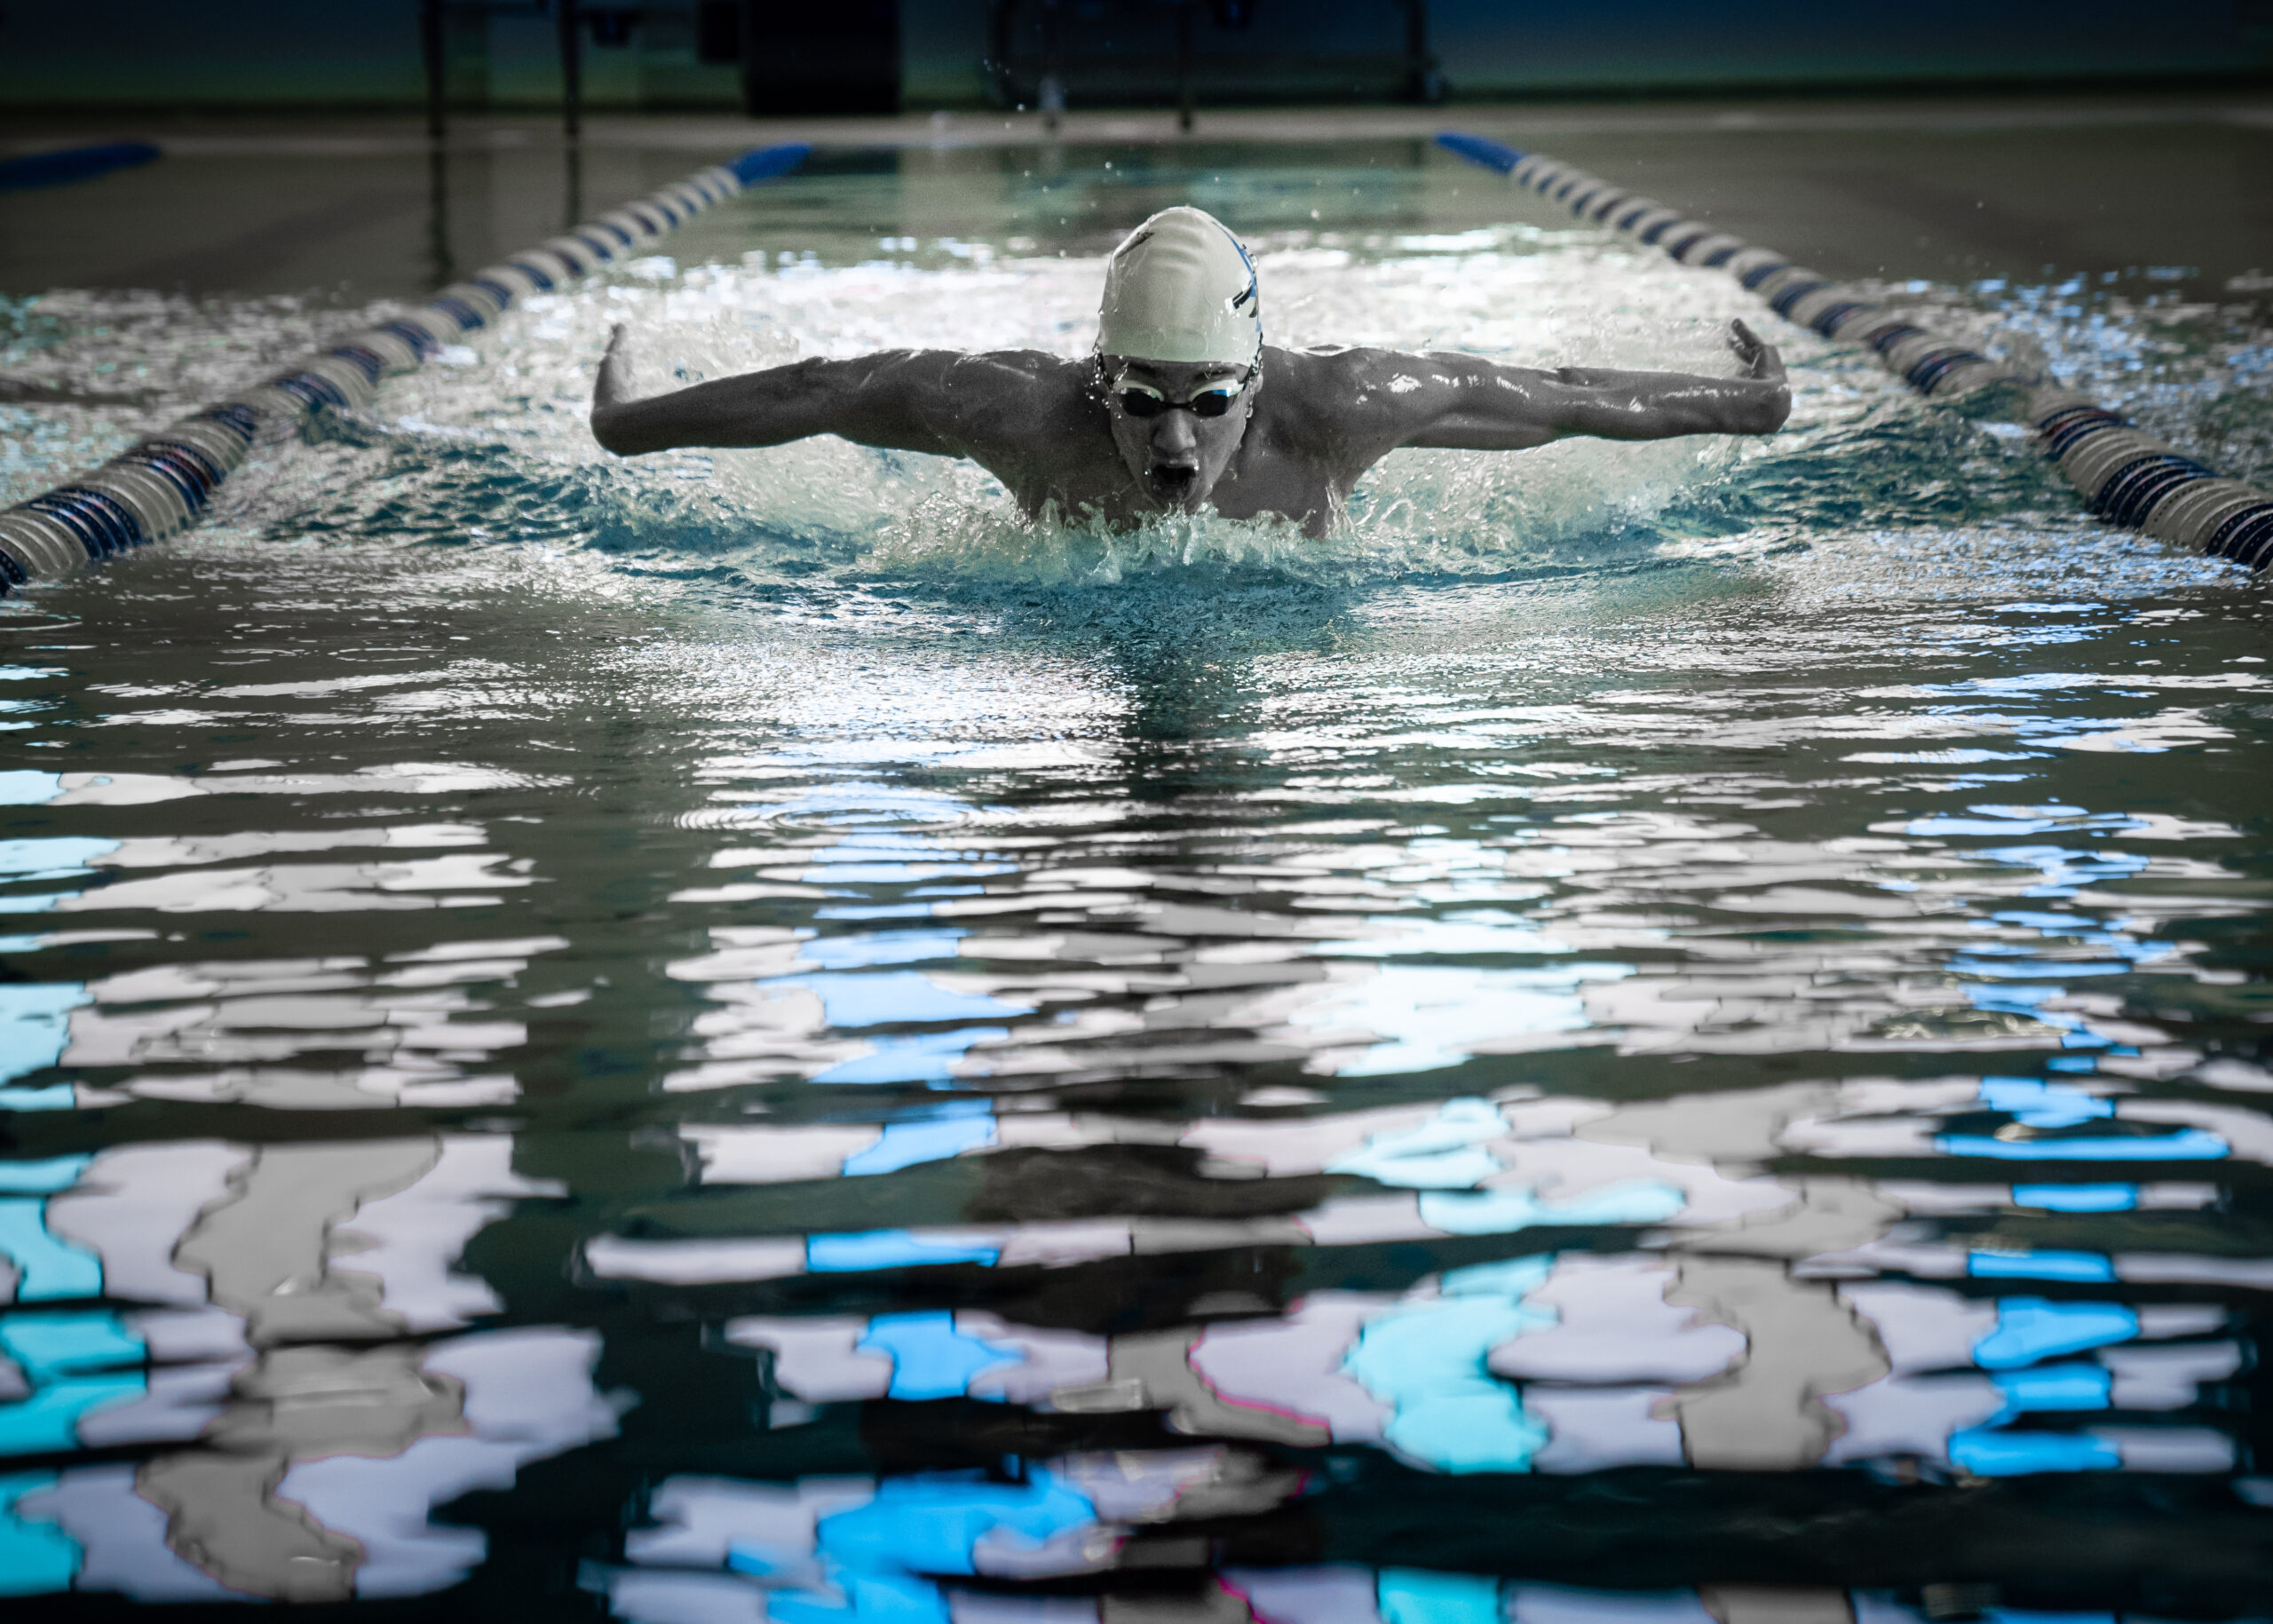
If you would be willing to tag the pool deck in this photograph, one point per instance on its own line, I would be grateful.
(1944, 187)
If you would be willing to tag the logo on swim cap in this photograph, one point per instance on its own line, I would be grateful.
(1181, 287)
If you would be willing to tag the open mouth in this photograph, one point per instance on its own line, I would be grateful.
(1173, 481)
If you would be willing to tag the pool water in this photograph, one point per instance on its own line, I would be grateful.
(1646, 1032)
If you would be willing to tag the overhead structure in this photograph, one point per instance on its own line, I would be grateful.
(2128, 477)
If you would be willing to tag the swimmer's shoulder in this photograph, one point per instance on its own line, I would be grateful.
(1036, 383)
(1330, 392)
(1347, 366)
(1019, 368)
(997, 398)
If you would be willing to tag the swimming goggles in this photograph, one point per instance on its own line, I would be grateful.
(1143, 401)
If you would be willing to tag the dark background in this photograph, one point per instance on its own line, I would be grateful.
(886, 55)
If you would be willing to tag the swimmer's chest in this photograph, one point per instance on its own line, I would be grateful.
(1274, 473)
(1078, 466)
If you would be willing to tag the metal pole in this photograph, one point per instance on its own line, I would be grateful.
(430, 44)
(572, 69)
(438, 213)
(999, 18)
(1423, 83)
(1184, 65)
(1053, 77)
(755, 17)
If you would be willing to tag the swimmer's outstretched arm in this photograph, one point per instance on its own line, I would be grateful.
(902, 400)
(1472, 404)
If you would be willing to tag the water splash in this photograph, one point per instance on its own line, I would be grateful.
(491, 445)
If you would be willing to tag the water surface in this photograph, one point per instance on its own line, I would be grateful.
(1646, 1033)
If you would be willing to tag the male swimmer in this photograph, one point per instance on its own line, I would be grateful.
(1181, 404)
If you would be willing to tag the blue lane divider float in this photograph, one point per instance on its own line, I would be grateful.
(2128, 477)
(161, 484)
(60, 169)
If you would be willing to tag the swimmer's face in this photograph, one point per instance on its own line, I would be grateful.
(1176, 455)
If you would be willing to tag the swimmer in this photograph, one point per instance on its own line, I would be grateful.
(1181, 404)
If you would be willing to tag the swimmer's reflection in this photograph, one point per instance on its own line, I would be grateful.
(1190, 675)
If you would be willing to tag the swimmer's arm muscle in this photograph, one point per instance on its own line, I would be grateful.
(1471, 404)
(902, 400)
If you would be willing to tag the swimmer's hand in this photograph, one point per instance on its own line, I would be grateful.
(1757, 355)
(615, 386)
(615, 409)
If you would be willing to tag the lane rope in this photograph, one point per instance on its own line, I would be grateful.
(2126, 478)
(160, 485)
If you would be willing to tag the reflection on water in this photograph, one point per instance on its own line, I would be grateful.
(259, 1300)
(766, 1043)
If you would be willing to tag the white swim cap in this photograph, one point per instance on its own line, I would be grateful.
(1182, 289)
